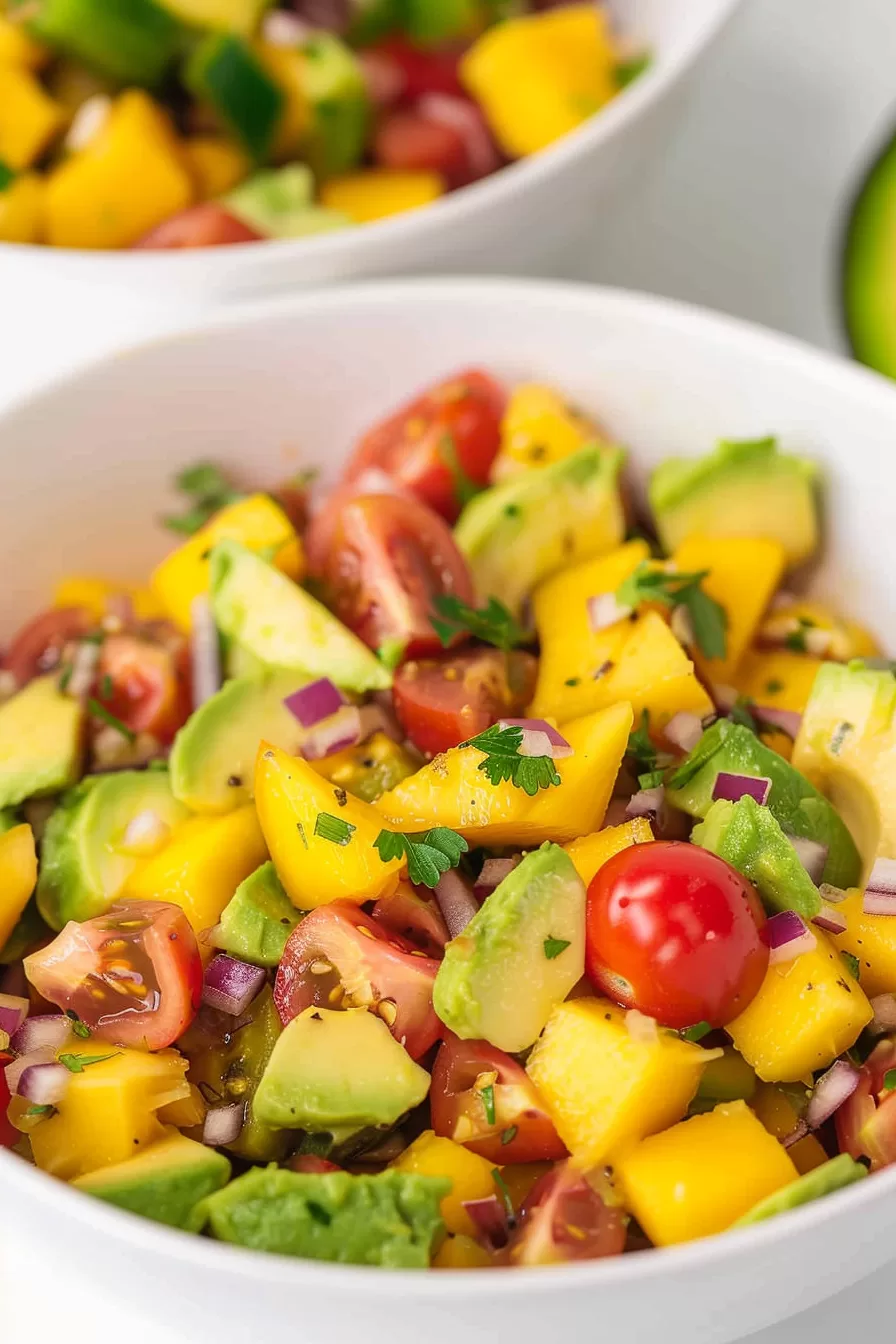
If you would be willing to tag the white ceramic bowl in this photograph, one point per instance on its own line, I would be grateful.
(83, 468)
(526, 211)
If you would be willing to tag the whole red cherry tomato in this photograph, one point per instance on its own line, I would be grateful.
(441, 702)
(206, 225)
(144, 684)
(674, 931)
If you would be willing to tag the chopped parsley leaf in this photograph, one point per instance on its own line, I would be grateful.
(78, 1063)
(708, 618)
(508, 1135)
(696, 1032)
(208, 490)
(501, 747)
(651, 780)
(554, 946)
(851, 963)
(504, 1196)
(101, 712)
(640, 747)
(429, 854)
(334, 829)
(493, 623)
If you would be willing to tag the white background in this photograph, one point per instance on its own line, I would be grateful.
(743, 215)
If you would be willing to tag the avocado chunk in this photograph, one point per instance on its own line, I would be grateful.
(824, 1180)
(516, 534)
(369, 769)
(338, 1071)
(85, 859)
(212, 761)
(41, 742)
(164, 1182)
(225, 74)
(283, 625)
(519, 956)
(869, 266)
(279, 203)
(227, 16)
(749, 838)
(9, 819)
(129, 42)
(795, 804)
(744, 488)
(390, 1220)
(430, 22)
(258, 920)
(340, 106)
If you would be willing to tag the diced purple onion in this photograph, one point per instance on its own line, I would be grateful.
(604, 611)
(223, 1124)
(13, 1072)
(787, 936)
(534, 733)
(13, 1012)
(830, 1092)
(205, 651)
(456, 902)
(43, 1084)
(830, 919)
(317, 701)
(802, 1129)
(493, 874)
(684, 730)
(464, 117)
(339, 731)
(884, 1006)
(384, 78)
(787, 721)
(732, 787)
(47, 1031)
(490, 1220)
(231, 985)
(379, 719)
(880, 893)
(646, 803)
(812, 854)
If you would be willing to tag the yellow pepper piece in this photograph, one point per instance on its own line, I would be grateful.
(202, 865)
(604, 1088)
(109, 1111)
(591, 852)
(18, 876)
(461, 1253)
(452, 791)
(871, 939)
(79, 590)
(825, 634)
(470, 1176)
(774, 1108)
(29, 118)
(18, 48)
(291, 796)
(539, 427)
(215, 165)
(256, 522)
(286, 67)
(744, 573)
(22, 210)
(377, 193)
(807, 1012)
(703, 1174)
(779, 679)
(129, 178)
(538, 77)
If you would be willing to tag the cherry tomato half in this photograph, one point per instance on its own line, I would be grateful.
(511, 1126)
(440, 443)
(443, 701)
(390, 559)
(8, 1133)
(674, 931)
(147, 686)
(318, 539)
(563, 1218)
(423, 71)
(133, 975)
(340, 957)
(413, 914)
(38, 646)
(409, 142)
(206, 225)
(866, 1122)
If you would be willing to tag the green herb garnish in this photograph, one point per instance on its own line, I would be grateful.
(493, 623)
(40, 1112)
(890, 1080)
(464, 488)
(429, 854)
(100, 711)
(696, 1032)
(652, 780)
(332, 828)
(501, 747)
(508, 1135)
(208, 490)
(851, 963)
(504, 1195)
(488, 1102)
(78, 1063)
(640, 747)
(554, 946)
(79, 1028)
(709, 620)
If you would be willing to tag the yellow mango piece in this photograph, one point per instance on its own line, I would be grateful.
(290, 796)
(22, 210)
(129, 178)
(202, 865)
(807, 1012)
(744, 573)
(461, 1253)
(215, 165)
(776, 1111)
(818, 627)
(18, 876)
(871, 939)
(18, 48)
(286, 67)
(376, 193)
(590, 852)
(109, 1111)
(540, 76)
(29, 117)
(257, 522)
(79, 590)
(470, 1176)
(699, 1177)
(452, 791)
(186, 1112)
(538, 427)
(779, 679)
(605, 1089)
(519, 1177)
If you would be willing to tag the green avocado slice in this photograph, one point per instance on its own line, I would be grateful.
(256, 923)
(41, 742)
(824, 1180)
(165, 1182)
(749, 838)
(869, 266)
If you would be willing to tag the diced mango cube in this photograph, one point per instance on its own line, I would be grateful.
(819, 630)
(780, 680)
(287, 68)
(216, 165)
(538, 427)
(590, 852)
(604, 1088)
(777, 1112)
(29, 118)
(18, 875)
(22, 210)
(699, 1177)
(79, 590)
(470, 1176)
(871, 939)
(376, 193)
(18, 47)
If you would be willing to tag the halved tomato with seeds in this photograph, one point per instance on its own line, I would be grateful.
(567, 1217)
(441, 702)
(866, 1122)
(144, 684)
(414, 915)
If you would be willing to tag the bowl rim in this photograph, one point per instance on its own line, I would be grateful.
(741, 337)
(450, 210)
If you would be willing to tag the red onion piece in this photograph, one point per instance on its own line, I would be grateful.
(830, 1092)
(604, 611)
(13, 1072)
(646, 803)
(43, 1084)
(884, 1006)
(684, 730)
(795, 1135)
(534, 733)
(231, 985)
(47, 1031)
(812, 855)
(13, 1012)
(223, 1124)
(787, 936)
(334, 734)
(464, 117)
(384, 78)
(787, 721)
(205, 651)
(493, 874)
(830, 919)
(456, 902)
(880, 892)
(317, 701)
(731, 787)
(490, 1219)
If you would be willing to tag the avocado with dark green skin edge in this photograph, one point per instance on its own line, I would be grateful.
(133, 42)
(258, 919)
(749, 838)
(868, 270)
(836, 1174)
(165, 1181)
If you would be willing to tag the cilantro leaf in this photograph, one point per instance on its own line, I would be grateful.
(554, 946)
(501, 747)
(208, 490)
(851, 963)
(99, 711)
(708, 618)
(640, 745)
(332, 828)
(79, 1028)
(429, 854)
(493, 623)
(651, 780)
(78, 1063)
(696, 1032)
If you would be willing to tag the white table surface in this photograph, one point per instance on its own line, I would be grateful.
(743, 216)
